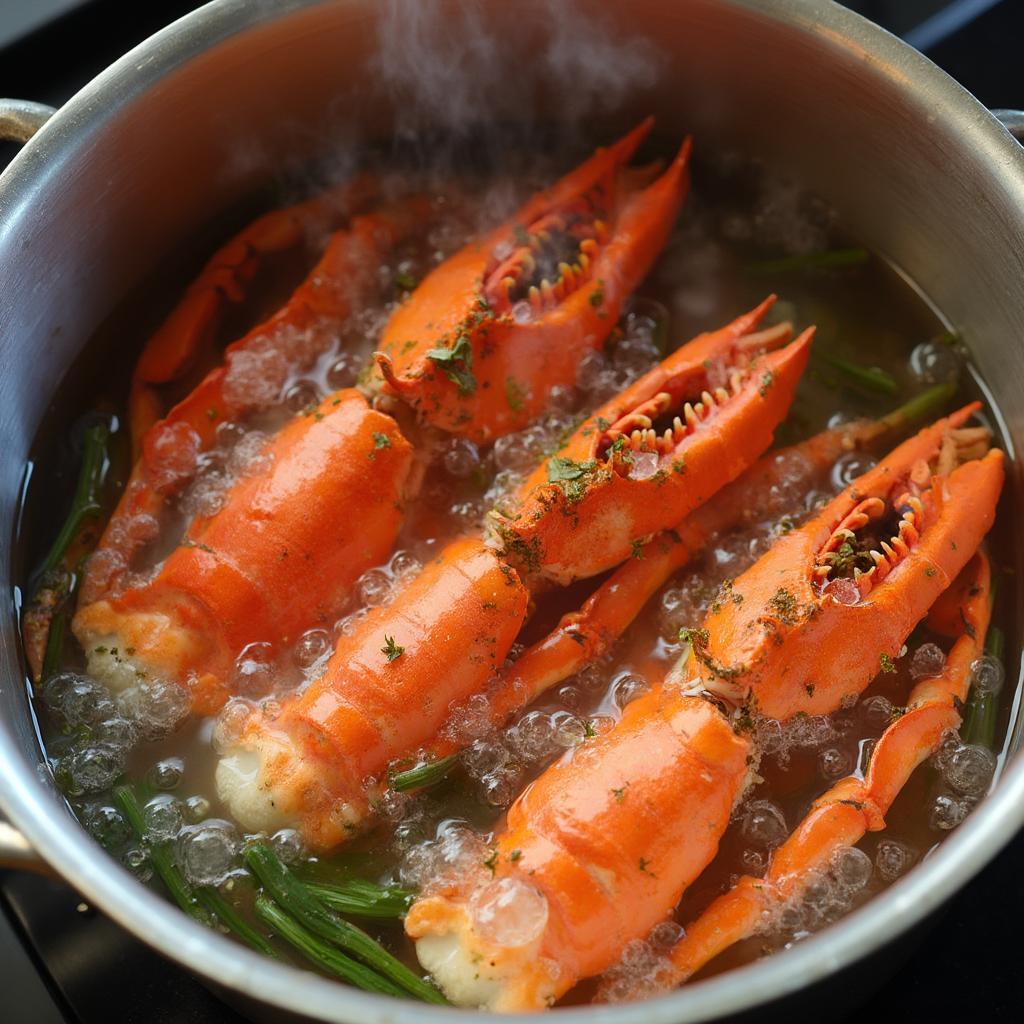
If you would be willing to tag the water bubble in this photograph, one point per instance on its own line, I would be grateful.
(755, 862)
(568, 730)
(404, 565)
(564, 398)
(78, 699)
(851, 868)
(374, 588)
(254, 376)
(116, 733)
(644, 466)
(311, 647)
(136, 860)
(934, 362)
(834, 763)
(987, 674)
(810, 731)
(249, 455)
(254, 670)
(764, 824)
(627, 686)
(108, 827)
(876, 712)
(892, 859)
(499, 789)
(343, 371)
(570, 697)
(163, 817)
(231, 724)
(206, 852)
(770, 736)
(518, 453)
(484, 756)
(172, 450)
(947, 812)
(509, 913)
(928, 662)
(156, 706)
(288, 845)
(301, 395)
(522, 312)
(166, 774)
(666, 934)
(948, 746)
(460, 457)
(850, 466)
(197, 808)
(843, 591)
(92, 769)
(532, 737)
(970, 769)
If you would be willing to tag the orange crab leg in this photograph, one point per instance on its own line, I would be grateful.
(791, 645)
(854, 805)
(605, 842)
(190, 327)
(653, 454)
(386, 690)
(485, 337)
(284, 344)
(274, 562)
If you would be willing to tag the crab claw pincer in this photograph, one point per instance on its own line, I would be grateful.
(832, 603)
(654, 453)
(482, 341)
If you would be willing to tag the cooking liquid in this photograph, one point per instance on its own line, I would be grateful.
(711, 270)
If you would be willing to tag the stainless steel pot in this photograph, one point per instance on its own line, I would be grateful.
(200, 115)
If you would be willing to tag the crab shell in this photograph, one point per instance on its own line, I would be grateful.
(570, 532)
(782, 648)
(508, 368)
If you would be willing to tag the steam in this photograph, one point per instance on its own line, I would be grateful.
(463, 70)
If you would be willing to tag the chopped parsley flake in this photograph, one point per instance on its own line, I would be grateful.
(391, 650)
(456, 363)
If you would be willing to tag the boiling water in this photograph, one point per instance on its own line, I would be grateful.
(737, 230)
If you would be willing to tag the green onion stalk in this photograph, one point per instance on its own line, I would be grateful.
(429, 774)
(201, 903)
(296, 898)
(363, 899)
(51, 598)
(866, 378)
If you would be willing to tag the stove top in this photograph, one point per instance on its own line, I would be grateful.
(63, 963)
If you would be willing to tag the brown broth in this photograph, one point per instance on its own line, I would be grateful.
(736, 216)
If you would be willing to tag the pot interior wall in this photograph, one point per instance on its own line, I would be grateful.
(101, 204)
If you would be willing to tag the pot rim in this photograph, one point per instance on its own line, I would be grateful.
(161, 925)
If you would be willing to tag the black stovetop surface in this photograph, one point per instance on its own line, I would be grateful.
(62, 962)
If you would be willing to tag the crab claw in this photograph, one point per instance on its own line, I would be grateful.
(485, 337)
(654, 453)
(830, 605)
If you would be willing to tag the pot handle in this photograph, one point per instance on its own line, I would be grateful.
(17, 854)
(21, 119)
(1013, 122)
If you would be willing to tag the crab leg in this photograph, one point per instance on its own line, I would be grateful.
(189, 328)
(385, 691)
(853, 806)
(485, 337)
(277, 559)
(656, 452)
(600, 842)
(286, 343)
